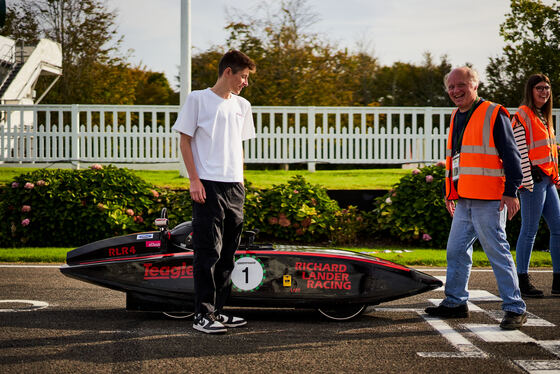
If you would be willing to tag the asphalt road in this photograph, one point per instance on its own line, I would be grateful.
(67, 326)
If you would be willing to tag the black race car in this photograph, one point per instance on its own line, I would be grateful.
(155, 270)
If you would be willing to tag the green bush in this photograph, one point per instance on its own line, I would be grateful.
(296, 211)
(179, 206)
(56, 207)
(348, 225)
(414, 210)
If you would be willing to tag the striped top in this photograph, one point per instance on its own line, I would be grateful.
(519, 134)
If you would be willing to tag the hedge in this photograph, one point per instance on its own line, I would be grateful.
(61, 207)
(56, 207)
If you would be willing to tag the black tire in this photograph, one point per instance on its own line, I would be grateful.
(178, 315)
(342, 313)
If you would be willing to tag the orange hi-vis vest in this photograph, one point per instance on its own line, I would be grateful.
(541, 141)
(481, 171)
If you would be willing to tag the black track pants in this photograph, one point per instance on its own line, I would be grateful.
(217, 226)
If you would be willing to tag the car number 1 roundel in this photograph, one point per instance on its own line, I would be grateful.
(248, 273)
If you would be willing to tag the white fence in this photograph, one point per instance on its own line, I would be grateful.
(142, 134)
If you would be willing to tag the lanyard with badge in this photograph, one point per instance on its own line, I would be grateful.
(458, 144)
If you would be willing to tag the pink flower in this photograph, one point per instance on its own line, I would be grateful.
(41, 182)
(415, 171)
(388, 201)
(429, 179)
(283, 220)
(426, 237)
(154, 193)
(138, 219)
(26, 208)
(130, 212)
(96, 167)
(441, 164)
(296, 192)
(15, 184)
(25, 222)
(29, 186)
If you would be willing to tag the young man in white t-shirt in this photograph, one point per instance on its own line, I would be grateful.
(213, 124)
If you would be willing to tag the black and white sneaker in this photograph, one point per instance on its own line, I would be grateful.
(208, 324)
(230, 321)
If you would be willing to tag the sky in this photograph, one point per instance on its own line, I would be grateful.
(403, 30)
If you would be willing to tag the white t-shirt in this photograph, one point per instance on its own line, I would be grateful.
(218, 127)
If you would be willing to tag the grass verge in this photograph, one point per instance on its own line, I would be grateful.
(416, 256)
(361, 179)
(437, 257)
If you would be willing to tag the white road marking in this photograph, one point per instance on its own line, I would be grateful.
(428, 270)
(494, 334)
(35, 305)
(442, 278)
(464, 347)
(482, 295)
(543, 366)
(398, 310)
(31, 266)
(532, 320)
(472, 307)
(442, 269)
(539, 366)
(475, 295)
(553, 346)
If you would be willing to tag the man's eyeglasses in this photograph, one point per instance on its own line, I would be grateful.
(542, 88)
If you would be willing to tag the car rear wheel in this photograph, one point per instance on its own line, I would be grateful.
(342, 313)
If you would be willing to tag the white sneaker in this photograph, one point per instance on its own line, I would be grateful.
(208, 324)
(230, 321)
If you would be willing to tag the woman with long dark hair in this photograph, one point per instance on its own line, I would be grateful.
(534, 134)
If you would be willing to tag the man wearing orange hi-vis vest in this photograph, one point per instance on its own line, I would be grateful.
(483, 173)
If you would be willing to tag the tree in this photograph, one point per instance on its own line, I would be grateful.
(405, 84)
(152, 88)
(205, 68)
(93, 71)
(21, 24)
(295, 66)
(532, 35)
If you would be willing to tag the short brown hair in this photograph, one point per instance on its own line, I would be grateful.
(236, 60)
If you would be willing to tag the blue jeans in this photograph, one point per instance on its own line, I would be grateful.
(482, 220)
(543, 201)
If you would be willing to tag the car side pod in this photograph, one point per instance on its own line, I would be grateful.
(155, 270)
